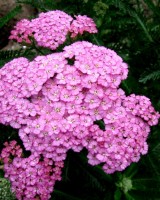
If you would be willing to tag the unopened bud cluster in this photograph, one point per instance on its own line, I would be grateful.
(5, 190)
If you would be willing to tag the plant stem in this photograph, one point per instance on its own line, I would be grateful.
(143, 27)
(94, 37)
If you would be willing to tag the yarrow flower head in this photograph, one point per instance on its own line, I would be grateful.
(81, 24)
(51, 29)
(29, 175)
(55, 106)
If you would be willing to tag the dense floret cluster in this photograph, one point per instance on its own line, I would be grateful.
(32, 177)
(82, 24)
(55, 101)
(51, 29)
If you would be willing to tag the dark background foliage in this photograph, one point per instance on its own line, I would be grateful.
(132, 29)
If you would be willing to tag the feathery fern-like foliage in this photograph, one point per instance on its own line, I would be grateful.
(152, 76)
(7, 55)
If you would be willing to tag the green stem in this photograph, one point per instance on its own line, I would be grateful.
(38, 50)
(142, 26)
(94, 37)
(35, 47)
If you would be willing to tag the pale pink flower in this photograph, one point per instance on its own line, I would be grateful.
(81, 24)
(92, 101)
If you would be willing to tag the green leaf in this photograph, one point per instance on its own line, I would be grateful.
(125, 85)
(7, 55)
(131, 170)
(4, 20)
(144, 195)
(146, 184)
(101, 174)
(152, 6)
(142, 25)
(92, 179)
(60, 195)
(152, 76)
(129, 197)
(117, 194)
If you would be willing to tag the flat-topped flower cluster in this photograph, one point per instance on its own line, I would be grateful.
(52, 28)
(55, 104)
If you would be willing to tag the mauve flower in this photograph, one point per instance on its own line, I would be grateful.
(55, 105)
(81, 24)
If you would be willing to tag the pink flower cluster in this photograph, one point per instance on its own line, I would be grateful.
(141, 106)
(50, 29)
(31, 178)
(81, 24)
(54, 104)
